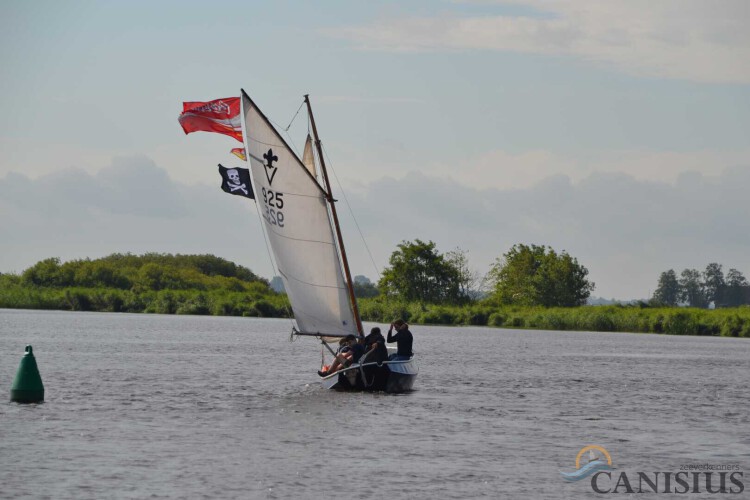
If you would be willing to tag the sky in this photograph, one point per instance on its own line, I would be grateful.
(616, 131)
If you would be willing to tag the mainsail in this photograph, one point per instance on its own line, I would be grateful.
(296, 219)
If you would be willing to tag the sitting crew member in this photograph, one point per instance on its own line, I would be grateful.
(403, 339)
(349, 352)
(375, 347)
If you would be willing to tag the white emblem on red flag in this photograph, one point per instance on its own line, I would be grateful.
(221, 116)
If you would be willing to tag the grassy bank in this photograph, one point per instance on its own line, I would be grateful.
(205, 284)
(208, 302)
(734, 322)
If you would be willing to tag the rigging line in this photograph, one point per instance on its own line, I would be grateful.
(288, 136)
(286, 129)
(294, 117)
(346, 200)
(292, 141)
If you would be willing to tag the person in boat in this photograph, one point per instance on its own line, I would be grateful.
(350, 350)
(375, 349)
(403, 339)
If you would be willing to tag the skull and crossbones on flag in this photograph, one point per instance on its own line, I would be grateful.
(236, 181)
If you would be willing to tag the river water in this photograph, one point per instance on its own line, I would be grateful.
(150, 406)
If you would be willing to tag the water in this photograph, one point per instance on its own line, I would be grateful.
(146, 406)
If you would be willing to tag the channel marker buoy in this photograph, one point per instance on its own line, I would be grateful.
(27, 386)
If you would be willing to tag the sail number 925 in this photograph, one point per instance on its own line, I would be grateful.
(273, 202)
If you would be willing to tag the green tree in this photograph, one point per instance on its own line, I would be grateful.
(691, 288)
(44, 273)
(537, 275)
(149, 277)
(98, 273)
(668, 290)
(736, 284)
(713, 283)
(468, 279)
(419, 273)
(364, 288)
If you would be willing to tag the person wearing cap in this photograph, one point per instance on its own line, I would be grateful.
(349, 352)
(403, 339)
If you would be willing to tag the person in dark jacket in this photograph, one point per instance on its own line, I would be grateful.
(403, 339)
(375, 349)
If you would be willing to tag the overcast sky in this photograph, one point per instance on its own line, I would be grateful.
(617, 131)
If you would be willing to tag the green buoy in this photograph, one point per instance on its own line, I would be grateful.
(27, 386)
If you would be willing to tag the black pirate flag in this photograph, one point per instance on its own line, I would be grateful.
(236, 181)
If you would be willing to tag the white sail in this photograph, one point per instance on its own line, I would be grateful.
(296, 220)
(307, 156)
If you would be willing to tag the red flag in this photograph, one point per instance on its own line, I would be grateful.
(239, 153)
(221, 116)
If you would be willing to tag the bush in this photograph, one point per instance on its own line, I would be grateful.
(264, 309)
(475, 316)
(735, 326)
(657, 324)
(496, 319)
(198, 305)
(77, 300)
(555, 321)
(680, 323)
(601, 321)
(437, 316)
(516, 322)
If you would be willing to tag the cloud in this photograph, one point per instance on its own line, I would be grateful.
(624, 229)
(504, 169)
(684, 39)
(130, 186)
(129, 206)
(25, 155)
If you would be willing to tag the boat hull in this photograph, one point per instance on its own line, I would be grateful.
(390, 376)
(402, 377)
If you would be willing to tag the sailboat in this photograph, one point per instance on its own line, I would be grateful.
(301, 225)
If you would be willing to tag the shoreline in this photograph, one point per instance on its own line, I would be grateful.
(728, 322)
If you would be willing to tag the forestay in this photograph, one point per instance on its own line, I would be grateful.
(295, 214)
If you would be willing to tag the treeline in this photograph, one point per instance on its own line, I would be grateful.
(526, 275)
(528, 287)
(151, 271)
(153, 283)
(702, 289)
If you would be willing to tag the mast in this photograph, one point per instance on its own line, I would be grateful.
(344, 260)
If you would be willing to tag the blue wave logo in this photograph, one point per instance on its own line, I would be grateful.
(599, 460)
(585, 471)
